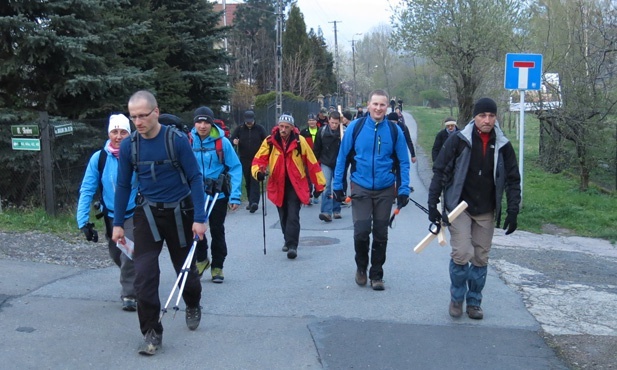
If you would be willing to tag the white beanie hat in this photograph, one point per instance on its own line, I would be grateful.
(119, 121)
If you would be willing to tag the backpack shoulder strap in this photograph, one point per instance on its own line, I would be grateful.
(134, 150)
(218, 145)
(101, 168)
(170, 148)
(394, 133)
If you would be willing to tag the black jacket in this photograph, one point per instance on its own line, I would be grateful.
(481, 183)
(327, 144)
(250, 140)
(440, 139)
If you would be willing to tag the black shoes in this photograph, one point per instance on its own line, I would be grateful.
(193, 317)
(292, 253)
(152, 342)
(129, 304)
(455, 309)
(253, 207)
(361, 277)
(285, 248)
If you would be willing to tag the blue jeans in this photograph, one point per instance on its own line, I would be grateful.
(467, 281)
(328, 204)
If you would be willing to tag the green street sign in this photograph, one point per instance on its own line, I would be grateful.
(25, 130)
(26, 144)
(61, 130)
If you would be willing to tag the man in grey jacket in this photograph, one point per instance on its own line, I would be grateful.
(475, 165)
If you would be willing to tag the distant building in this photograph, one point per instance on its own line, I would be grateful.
(230, 10)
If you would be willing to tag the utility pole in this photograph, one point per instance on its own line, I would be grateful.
(336, 61)
(279, 60)
(353, 58)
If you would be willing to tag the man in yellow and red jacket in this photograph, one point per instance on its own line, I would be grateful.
(288, 156)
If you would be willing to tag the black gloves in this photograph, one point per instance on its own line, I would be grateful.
(401, 201)
(261, 176)
(433, 214)
(91, 234)
(339, 196)
(316, 193)
(510, 223)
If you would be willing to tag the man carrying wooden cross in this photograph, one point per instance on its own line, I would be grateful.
(477, 164)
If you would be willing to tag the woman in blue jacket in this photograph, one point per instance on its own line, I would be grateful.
(102, 173)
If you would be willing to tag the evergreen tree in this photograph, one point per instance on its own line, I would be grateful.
(61, 56)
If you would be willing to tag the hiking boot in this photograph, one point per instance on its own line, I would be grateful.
(152, 342)
(217, 275)
(455, 309)
(315, 200)
(285, 248)
(248, 207)
(337, 216)
(361, 277)
(193, 317)
(129, 304)
(475, 312)
(377, 284)
(292, 253)
(325, 217)
(202, 266)
(254, 207)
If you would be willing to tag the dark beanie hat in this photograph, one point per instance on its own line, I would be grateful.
(249, 116)
(347, 114)
(484, 105)
(393, 116)
(203, 114)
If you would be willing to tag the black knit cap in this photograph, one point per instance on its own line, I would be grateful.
(484, 105)
(347, 114)
(392, 116)
(203, 114)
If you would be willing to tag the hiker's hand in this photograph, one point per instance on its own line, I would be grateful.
(91, 234)
(316, 193)
(339, 196)
(433, 214)
(261, 176)
(510, 223)
(402, 200)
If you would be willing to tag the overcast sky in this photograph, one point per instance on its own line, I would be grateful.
(352, 16)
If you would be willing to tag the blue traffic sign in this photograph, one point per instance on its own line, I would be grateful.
(523, 72)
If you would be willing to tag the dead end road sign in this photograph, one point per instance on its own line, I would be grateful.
(523, 72)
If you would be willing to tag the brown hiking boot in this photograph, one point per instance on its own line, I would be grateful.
(325, 217)
(475, 312)
(377, 284)
(361, 277)
(456, 309)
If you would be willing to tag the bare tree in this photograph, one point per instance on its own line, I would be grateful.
(298, 76)
(465, 38)
(580, 40)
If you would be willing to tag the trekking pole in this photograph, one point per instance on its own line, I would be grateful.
(182, 275)
(263, 213)
(396, 212)
(189, 261)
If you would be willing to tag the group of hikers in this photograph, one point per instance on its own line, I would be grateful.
(159, 185)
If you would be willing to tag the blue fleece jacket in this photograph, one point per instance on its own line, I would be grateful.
(90, 184)
(374, 149)
(208, 162)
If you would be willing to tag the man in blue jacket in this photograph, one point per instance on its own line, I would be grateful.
(373, 153)
(170, 208)
(220, 165)
(101, 174)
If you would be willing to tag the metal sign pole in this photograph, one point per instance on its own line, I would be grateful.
(521, 140)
